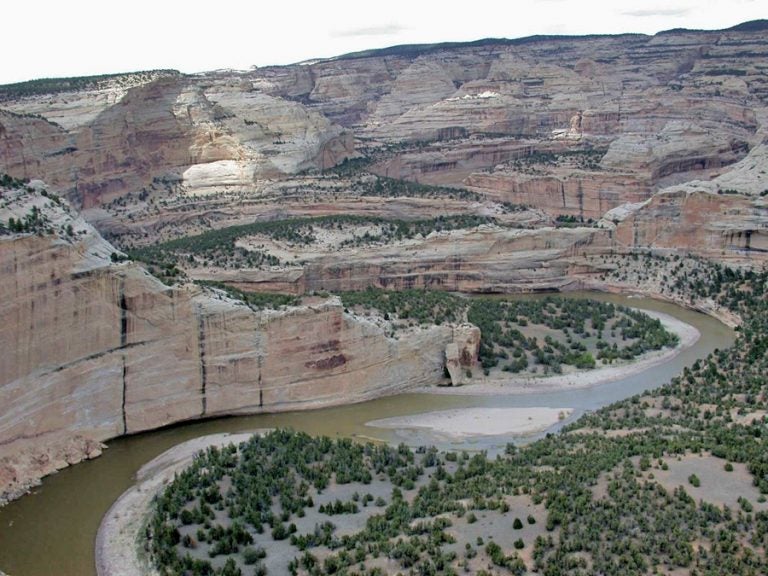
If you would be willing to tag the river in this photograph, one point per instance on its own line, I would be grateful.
(52, 531)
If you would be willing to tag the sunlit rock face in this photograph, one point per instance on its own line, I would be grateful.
(718, 226)
(659, 109)
(98, 144)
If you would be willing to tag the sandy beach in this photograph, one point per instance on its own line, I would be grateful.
(508, 384)
(118, 551)
(463, 423)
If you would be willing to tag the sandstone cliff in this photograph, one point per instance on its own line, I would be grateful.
(583, 194)
(590, 87)
(98, 144)
(718, 226)
(663, 110)
(484, 259)
(667, 108)
(505, 118)
(664, 137)
(91, 349)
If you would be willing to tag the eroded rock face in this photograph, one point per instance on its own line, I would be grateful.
(669, 108)
(486, 259)
(28, 142)
(719, 226)
(461, 354)
(91, 350)
(205, 134)
(587, 195)
(480, 260)
(658, 111)
(72, 108)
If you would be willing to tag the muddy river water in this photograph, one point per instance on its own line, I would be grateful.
(52, 530)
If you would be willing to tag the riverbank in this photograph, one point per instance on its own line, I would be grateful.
(462, 423)
(708, 307)
(507, 384)
(118, 551)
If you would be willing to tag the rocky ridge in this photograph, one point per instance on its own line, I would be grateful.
(659, 110)
(485, 259)
(168, 128)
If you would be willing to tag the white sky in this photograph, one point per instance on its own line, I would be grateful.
(48, 38)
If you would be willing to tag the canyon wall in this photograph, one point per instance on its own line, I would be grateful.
(581, 194)
(485, 259)
(91, 349)
(711, 225)
(674, 106)
(490, 259)
(98, 144)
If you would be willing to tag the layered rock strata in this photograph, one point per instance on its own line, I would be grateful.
(582, 194)
(484, 259)
(169, 128)
(91, 350)
(677, 105)
(718, 226)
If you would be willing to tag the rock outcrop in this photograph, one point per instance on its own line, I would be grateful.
(718, 226)
(169, 128)
(648, 112)
(91, 349)
(583, 194)
(667, 107)
(480, 260)
(663, 137)
(462, 353)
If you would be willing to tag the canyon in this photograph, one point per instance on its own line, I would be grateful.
(578, 149)
(93, 349)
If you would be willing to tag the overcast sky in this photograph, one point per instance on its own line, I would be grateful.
(49, 38)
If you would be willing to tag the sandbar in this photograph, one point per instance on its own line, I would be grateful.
(461, 423)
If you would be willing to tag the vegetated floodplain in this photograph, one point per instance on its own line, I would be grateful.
(289, 503)
(540, 336)
(536, 336)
